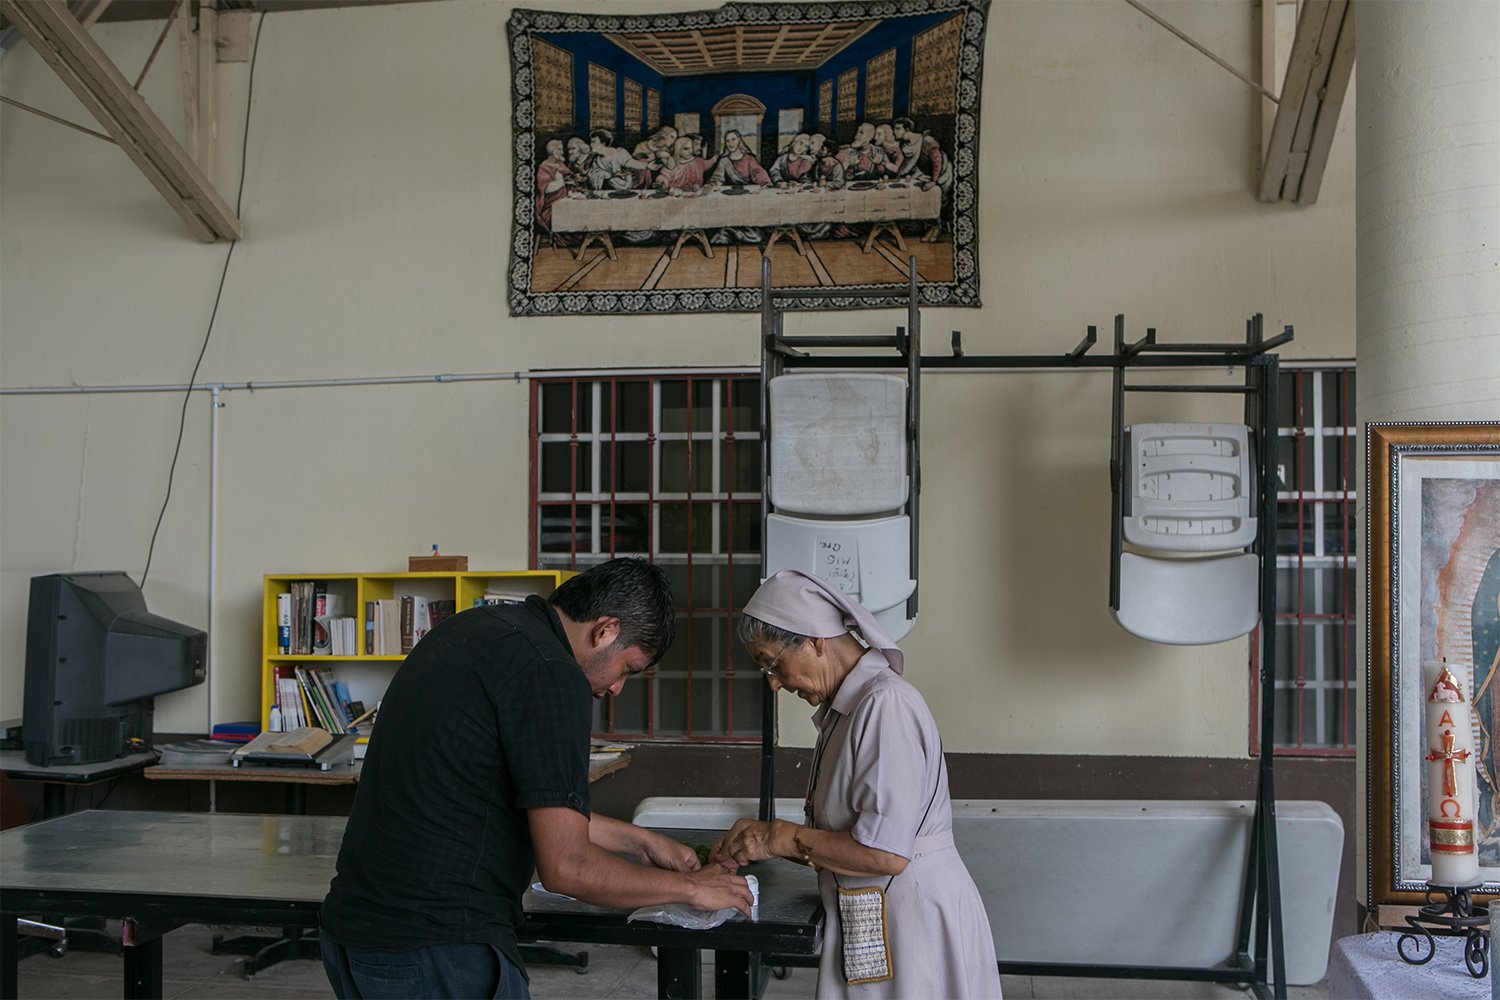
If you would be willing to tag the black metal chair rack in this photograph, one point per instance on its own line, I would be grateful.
(1261, 968)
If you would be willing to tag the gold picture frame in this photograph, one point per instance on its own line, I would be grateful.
(1432, 552)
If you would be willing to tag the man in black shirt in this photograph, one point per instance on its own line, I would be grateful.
(477, 773)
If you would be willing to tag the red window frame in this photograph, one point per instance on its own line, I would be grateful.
(702, 530)
(1317, 568)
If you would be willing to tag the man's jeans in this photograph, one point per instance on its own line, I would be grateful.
(465, 971)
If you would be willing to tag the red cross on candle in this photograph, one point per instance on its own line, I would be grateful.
(1448, 755)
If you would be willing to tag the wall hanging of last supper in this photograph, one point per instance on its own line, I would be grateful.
(660, 158)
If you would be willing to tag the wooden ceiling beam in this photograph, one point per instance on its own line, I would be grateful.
(1312, 94)
(64, 43)
(90, 11)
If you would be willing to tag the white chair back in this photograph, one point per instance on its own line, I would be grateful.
(1188, 511)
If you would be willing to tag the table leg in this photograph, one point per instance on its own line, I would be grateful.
(791, 233)
(54, 799)
(687, 234)
(884, 227)
(143, 970)
(604, 241)
(679, 973)
(738, 975)
(9, 943)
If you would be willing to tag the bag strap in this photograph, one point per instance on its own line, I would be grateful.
(935, 785)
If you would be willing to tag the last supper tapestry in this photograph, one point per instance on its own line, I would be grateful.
(661, 159)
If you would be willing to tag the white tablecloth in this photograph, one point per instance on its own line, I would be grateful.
(1367, 967)
(645, 210)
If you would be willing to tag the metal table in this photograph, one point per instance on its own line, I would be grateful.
(789, 921)
(157, 871)
(57, 777)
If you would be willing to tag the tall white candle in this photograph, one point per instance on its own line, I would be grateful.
(1451, 786)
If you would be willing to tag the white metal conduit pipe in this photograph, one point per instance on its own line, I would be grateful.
(217, 389)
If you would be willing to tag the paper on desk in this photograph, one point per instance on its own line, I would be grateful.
(538, 889)
(682, 915)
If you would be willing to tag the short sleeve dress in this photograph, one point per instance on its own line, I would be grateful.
(879, 773)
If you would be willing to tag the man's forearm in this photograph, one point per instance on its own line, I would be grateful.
(613, 835)
(595, 875)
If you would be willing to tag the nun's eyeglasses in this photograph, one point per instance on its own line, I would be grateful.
(770, 669)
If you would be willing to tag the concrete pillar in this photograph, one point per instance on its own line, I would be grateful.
(1427, 209)
(1427, 225)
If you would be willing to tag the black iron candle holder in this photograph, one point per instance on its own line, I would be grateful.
(1454, 915)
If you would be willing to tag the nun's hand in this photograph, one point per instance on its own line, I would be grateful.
(752, 840)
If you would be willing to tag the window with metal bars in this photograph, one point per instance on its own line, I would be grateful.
(1316, 567)
(667, 467)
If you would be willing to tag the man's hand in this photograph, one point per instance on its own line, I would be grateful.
(715, 889)
(664, 852)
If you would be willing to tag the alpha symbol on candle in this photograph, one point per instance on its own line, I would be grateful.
(1448, 755)
(1446, 720)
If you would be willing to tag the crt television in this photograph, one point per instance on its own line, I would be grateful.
(95, 657)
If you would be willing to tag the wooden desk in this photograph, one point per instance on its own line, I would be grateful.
(56, 778)
(158, 871)
(296, 779)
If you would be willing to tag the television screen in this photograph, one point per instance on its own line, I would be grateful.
(95, 658)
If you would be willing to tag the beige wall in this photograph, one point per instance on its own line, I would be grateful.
(1119, 177)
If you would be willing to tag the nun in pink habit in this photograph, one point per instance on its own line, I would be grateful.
(904, 918)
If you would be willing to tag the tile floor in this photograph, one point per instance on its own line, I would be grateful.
(190, 970)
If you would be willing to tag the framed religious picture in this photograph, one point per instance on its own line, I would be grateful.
(1432, 496)
(663, 161)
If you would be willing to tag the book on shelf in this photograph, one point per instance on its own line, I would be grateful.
(319, 609)
(500, 594)
(369, 628)
(288, 697)
(284, 622)
(321, 692)
(438, 610)
(304, 604)
(408, 623)
(342, 635)
(387, 627)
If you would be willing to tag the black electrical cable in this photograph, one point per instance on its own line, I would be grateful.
(218, 295)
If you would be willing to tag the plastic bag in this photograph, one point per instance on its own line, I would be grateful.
(682, 915)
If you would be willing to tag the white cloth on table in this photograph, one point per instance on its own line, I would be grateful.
(1367, 967)
(880, 775)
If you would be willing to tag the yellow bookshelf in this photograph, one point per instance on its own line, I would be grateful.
(367, 675)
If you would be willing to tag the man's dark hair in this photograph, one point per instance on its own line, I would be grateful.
(632, 590)
(905, 123)
(604, 135)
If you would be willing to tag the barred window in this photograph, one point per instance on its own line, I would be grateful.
(554, 87)
(1316, 567)
(633, 122)
(934, 69)
(667, 467)
(848, 101)
(602, 107)
(880, 85)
